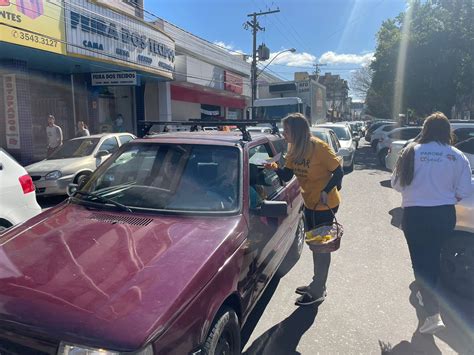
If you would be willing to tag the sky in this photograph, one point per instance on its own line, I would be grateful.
(338, 33)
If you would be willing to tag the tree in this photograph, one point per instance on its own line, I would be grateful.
(361, 81)
(439, 68)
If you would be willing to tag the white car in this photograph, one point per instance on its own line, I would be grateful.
(17, 193)
(393, 154)
(347, 142)
(328, 136)
(379, 132)
(74, 162)
(462, 133)
(457, 254)
(402, 133)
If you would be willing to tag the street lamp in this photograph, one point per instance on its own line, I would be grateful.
(292, 50)
(255, 75)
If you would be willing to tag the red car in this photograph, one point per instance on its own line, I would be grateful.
(165, 250)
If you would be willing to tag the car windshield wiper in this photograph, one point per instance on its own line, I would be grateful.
(103, 200)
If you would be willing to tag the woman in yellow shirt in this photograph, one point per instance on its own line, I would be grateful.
(319, 174)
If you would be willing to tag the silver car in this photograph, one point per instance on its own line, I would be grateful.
(328, 136)
(74, 161)
(347, 142)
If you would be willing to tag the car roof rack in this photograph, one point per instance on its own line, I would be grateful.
(144, 127)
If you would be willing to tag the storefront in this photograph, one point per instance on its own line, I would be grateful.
(210, 82)
(79, 62)
(118, 98)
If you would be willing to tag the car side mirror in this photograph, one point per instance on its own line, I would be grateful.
(343, 152)
(71, 189)
(102, 153)
(273, 209)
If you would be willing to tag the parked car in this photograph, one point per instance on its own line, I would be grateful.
(347, 142)
(17, 193)
(329, 137)
(262, 129)
(457, 262)
(373, 126)
(160, 252)
(384, 143)
(74, 161)
(356, 134)
(393, 153)
(462, 133)
(379, 132)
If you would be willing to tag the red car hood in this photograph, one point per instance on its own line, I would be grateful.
(79, 275)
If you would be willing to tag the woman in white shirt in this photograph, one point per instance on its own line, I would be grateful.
(432, 177)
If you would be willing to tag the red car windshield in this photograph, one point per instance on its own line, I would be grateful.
(171, 177)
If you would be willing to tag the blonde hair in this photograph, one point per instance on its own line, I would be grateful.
(300, 136)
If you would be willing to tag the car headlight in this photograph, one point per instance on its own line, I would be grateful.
(53, 175)
(72, 349)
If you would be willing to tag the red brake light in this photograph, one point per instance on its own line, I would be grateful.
(26, 184)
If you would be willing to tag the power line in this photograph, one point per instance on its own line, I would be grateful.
(289, 26)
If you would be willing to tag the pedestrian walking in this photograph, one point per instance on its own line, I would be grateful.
(432, 177)
(54, 135)
(118, 124)
(82, 130)
(319, 173)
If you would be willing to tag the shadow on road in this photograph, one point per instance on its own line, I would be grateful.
(458, 333)
(366, 159)
(386, 183)
(48, 202)
(397, 215)
(284, 337)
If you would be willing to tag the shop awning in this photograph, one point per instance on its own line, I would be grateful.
(180, 93)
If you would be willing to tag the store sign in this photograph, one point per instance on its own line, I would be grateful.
(233, 82)
(114, 78)
(101, 33)
(12, 121)
(303, 86)
(33, 23)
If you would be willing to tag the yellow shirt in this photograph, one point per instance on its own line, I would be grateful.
(313, 174)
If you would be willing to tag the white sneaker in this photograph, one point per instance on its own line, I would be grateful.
(420, 298)
(432, 324)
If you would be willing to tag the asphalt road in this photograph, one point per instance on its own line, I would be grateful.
(371, 306)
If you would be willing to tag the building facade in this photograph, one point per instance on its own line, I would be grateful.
(337, 97)
(79, 61)
(304, 86)
(210, 82)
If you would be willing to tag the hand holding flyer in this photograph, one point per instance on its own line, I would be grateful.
(268, 160)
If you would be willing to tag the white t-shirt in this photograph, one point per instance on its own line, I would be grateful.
(442, 176)
(54, 135)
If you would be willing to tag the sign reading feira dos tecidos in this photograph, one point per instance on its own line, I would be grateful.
(98, 32)
(33, 23)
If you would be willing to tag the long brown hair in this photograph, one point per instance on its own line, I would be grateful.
(435, 129)
(300, 135)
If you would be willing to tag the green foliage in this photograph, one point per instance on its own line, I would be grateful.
(439, 63)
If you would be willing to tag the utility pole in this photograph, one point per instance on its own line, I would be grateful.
(317, 69)
(255, 27)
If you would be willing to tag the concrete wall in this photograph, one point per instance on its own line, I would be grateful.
(152, 112)
(182, 111)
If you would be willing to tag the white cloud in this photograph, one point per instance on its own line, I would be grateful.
(292, 59)
(229, 47)
(334, 58)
